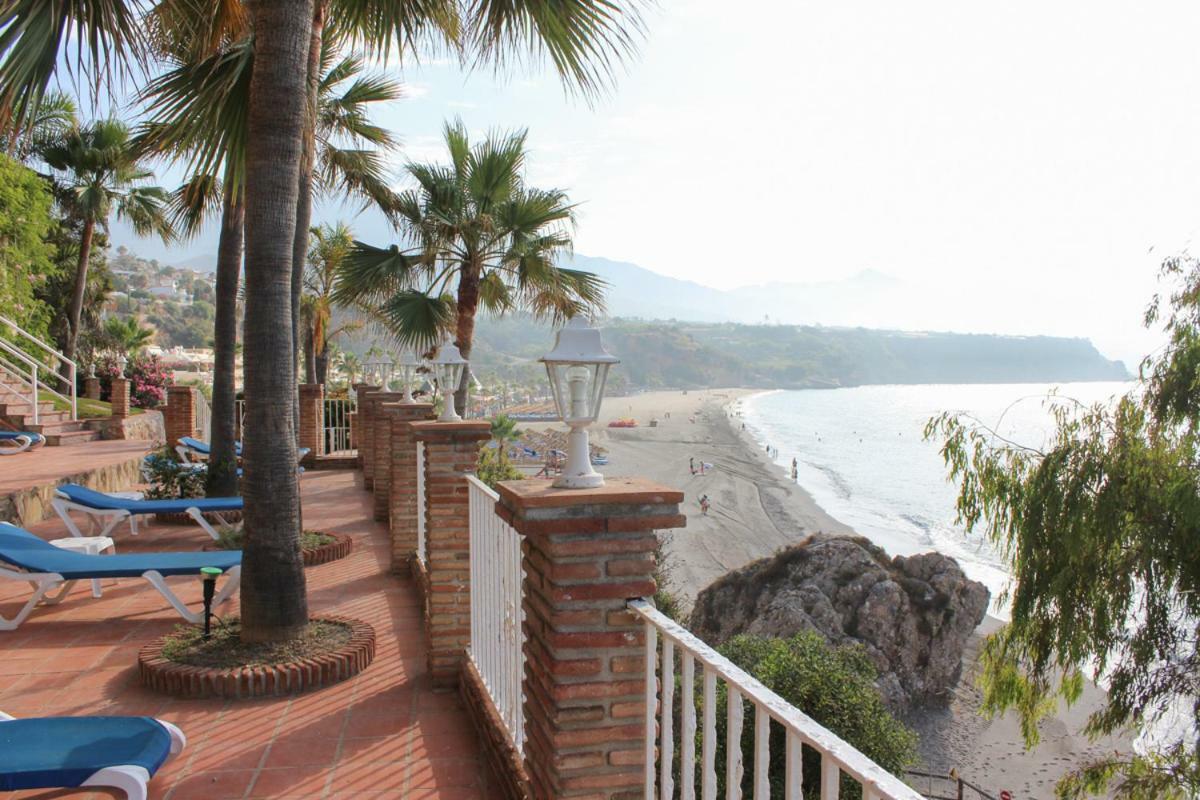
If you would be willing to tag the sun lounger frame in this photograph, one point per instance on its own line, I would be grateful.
(63, 505)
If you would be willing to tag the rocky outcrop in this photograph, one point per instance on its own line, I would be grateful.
(912, 615)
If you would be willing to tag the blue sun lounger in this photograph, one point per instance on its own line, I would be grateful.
(121, 753)
(25, 440)
(191, 449)
(98, 505)
(37, 562)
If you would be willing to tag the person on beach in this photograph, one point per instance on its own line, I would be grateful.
(692, 464)
(704, 504)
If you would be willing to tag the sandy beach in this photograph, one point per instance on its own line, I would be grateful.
(756, 510)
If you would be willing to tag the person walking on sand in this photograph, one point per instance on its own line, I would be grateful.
(704, 504)
(795, 470)
(692, 464)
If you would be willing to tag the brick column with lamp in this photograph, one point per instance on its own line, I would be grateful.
(586, 552)
(451, 453)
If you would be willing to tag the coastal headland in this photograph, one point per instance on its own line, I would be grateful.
(755, 510)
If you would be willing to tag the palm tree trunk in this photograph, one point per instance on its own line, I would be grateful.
(322, 365)
(222, 463)
(274, 600)
(80, 289)
(310, 355)
(468, 304)
(304, 197)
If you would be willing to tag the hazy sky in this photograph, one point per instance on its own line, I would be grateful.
(1027, 164)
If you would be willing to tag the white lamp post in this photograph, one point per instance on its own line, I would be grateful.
(407, 364)
(578, 368)
(448, 366)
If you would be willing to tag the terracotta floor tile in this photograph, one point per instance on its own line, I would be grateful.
(291, 782)
(365, 738)
(211, 785)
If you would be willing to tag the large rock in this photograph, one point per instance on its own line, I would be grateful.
(913, 615)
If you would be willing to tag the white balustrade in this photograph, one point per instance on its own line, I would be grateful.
(421, 502)
(203, 417)
(30, 363)
(497, 636)
(838, 758)
(336, 424)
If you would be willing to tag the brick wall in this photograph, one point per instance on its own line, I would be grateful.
(120, 398)
(180, 414)
(312, 420)
(381, 450)
(402, 499)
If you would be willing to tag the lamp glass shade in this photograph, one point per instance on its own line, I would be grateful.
(448, 365)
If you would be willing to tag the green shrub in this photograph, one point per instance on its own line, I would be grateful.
(494, 465)
(833, 685)
(170, 479)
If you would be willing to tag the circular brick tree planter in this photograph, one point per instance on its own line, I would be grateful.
(238, 683)
(340, 547)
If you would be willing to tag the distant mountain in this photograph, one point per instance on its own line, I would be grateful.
(869, 298)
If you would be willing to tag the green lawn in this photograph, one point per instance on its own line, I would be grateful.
(88, 409)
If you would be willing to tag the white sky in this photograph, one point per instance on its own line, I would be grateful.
(1028, 164)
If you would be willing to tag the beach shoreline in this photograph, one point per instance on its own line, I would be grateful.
(756, 510)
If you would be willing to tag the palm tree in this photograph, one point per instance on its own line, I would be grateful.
(349, 364)
(274, 597)
(330, 246)
(95, 171)
(127, 334)
(477, 226)
(198, 115)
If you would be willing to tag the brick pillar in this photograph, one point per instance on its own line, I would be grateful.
(91, 388)
(451, 452)
(586, 552)
(180, 413)
(402, 500)
(363, 433)
(381, 450)
(312, 420)
(119, 397)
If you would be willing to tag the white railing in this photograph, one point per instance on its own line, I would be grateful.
(336, 424)
(421, 503)
(497, 637)
(24, 368)
(239, 417)
(838, 758)
(203, 417)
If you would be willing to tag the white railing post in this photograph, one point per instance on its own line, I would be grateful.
(33, 394)
(421, 554)
(838, 758)
(22, 354)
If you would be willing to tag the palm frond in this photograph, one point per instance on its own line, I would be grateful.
(388, 28)
(585, 40)
(146, 209)
(192, 203)
(34, 35)
(418, 320)
(373, 273)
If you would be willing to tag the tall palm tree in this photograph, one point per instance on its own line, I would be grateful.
(331, 244)
(274, 597)
(477, 227)
(198, 115)
(96, 171)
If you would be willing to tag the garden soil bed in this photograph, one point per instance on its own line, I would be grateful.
(340, 547)
(232, 517)
(180, 665)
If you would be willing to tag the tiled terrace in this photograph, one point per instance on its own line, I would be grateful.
(384, 734)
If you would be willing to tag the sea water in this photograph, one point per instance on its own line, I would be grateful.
(861, 453)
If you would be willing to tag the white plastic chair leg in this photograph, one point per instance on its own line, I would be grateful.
(129, 779)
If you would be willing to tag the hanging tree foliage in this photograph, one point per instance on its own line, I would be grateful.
(1101, 530)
